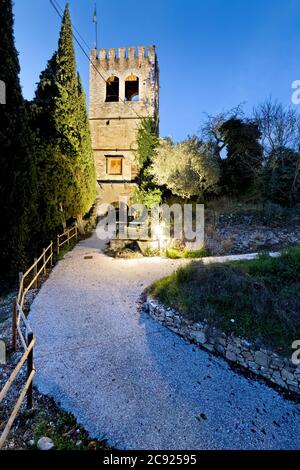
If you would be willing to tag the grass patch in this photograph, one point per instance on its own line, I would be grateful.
(175, 253)
(63, 251)
(257, 299)
(61, 427)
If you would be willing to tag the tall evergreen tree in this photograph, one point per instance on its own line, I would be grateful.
(17, 184)
(66, 165)
(86, 171)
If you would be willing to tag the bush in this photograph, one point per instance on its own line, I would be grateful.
(149, 198)
(175, 253)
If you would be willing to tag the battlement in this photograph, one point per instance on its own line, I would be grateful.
(127, 54)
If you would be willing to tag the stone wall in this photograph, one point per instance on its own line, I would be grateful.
(267, 364)
(114, 125)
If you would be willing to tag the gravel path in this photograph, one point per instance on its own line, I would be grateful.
(135, 383)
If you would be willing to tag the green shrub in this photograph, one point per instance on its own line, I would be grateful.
(175, 253)
(201, 253)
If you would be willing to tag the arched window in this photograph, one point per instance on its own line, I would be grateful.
(112, 89)
(132, 88)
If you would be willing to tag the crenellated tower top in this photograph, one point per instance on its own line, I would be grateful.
(129, 55)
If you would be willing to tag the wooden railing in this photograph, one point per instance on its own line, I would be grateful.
(66, 237)
(28, 341)
(22, 331)
(27, 281)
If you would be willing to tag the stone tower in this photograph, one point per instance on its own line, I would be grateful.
(124, 88)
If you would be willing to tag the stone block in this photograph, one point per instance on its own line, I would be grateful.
(230, 356)
(198, 336)
(286, 375)
(261, 358)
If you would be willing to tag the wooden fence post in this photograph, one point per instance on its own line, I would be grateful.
(44, 261)
(57, 246)
(68, 237)
(35, 274)
(76, 232)
(29, 370)
(51, 259)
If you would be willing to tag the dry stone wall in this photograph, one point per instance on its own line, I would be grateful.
(268, 364)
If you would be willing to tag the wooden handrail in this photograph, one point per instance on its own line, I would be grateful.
(67, 231)
(37, 260)
(26, 357)
(16, 371)
(28, 344)
(69, 236)
(16, 409)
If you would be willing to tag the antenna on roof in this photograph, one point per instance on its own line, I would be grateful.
(95, 21)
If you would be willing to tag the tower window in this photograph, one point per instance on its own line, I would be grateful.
(132, 88)
(112, 89)
(114, 165)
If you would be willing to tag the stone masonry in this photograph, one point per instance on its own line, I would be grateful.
(267, 364)
(124, 88)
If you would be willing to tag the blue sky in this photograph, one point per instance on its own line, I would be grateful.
(213, 54)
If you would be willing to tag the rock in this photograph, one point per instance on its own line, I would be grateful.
(261, 359)
(277, 363)
(276, 375)
(198, 336)
(286, 375)
(293, 384)
(253, 366)
(245, 344)
(230, 356)
(45, 443)
(233, 349)
(220, 349)
(242, 361)
(169, 314)
(247, 355)
(221, 341)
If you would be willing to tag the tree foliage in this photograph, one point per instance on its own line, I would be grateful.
(279, 126)
(243, 162)
(190, 168)
(17, 176)
(280, 138)
(282, 176)
(147, 192)
(64, 152)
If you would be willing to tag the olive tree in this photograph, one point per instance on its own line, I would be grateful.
(187, 169)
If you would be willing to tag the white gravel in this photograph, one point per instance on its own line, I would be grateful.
(135, 383)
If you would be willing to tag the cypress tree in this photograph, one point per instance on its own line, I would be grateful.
(87, 173)
(17, 184)
(66, 166)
